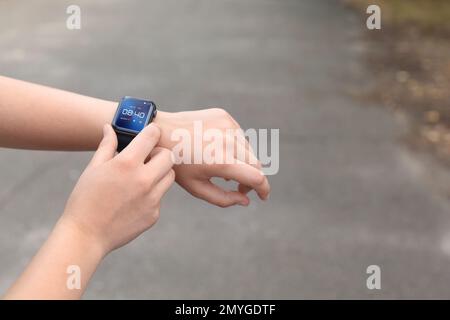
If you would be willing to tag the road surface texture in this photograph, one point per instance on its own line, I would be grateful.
(349, 194)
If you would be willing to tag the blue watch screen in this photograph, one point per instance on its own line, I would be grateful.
(133, 114)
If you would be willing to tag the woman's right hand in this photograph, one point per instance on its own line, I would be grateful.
(118, 196)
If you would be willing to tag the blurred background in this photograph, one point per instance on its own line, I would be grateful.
(363, 118)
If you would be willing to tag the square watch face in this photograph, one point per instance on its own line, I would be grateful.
(132, 114)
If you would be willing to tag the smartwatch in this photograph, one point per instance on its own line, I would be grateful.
(131, 117)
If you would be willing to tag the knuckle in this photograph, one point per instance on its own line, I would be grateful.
(143, 183)
(125, 162)
(156, 214)
(219, 111)
(258, 179)
(196, 193)
(223, 203)
(172, 174)
(222, 113)
(154, 199)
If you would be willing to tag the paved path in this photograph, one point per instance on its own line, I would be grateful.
(348, 194)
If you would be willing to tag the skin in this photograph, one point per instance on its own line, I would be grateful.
(38, 117)
(94, 223)
(89, 229)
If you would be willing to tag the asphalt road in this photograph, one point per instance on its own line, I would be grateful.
(349, 194)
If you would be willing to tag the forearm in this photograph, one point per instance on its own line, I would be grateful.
(47, 277)
(37, 117)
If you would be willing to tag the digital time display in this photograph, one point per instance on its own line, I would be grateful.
(133, 114)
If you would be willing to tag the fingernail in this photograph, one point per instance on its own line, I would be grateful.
(243, 203)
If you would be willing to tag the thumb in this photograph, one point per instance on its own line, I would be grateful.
(107, 147)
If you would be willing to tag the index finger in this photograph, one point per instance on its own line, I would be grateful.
(141, 146)
(245, 174)
(160, 163)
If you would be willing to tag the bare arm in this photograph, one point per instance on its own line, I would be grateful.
(47, 277)
(89, 229)
(38, 117)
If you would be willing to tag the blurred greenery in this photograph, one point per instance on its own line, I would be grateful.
(426, 14)
(410, 61)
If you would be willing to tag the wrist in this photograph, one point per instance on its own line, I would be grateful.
(84, 240)
(167, 122)
(104, 113)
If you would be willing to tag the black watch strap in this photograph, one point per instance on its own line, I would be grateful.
(123, 140)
